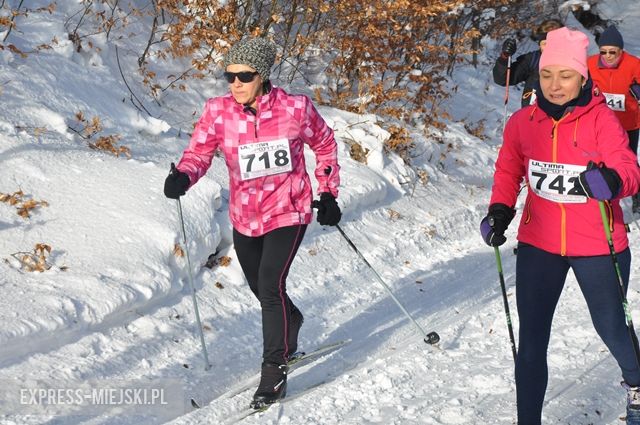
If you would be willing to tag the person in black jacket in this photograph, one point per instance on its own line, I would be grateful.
(525, 67)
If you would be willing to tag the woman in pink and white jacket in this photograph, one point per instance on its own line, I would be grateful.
(262, 130)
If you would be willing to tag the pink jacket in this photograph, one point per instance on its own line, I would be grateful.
(549, 154)
(269, 184)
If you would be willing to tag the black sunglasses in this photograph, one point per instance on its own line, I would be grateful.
(244, 76)
(608, 52)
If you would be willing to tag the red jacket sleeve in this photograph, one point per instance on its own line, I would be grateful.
(510, 167)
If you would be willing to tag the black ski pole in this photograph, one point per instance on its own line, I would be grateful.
(191, 285)
(623, 297)
(506, 302)
(431, 337)
(506, 93)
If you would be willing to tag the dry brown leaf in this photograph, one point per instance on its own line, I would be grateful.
(36, 260)
(393, 214)
(219, 285)
(42, 247)
(23, 206)
(224, 261)
(178, 251)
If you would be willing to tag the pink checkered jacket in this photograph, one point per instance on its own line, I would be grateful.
(264, 153)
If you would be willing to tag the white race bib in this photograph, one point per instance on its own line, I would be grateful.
(555, 182)
(264, 159)
(615, 101)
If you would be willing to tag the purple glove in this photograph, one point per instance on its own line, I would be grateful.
(493, 226)
(600, 183)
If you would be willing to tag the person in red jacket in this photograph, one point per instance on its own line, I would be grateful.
(614, 73)
(551, 145)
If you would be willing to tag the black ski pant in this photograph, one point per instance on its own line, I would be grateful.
(265, 261)
(633, 139)
(540, 277)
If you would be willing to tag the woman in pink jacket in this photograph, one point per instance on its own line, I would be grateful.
(550, 144)
(261, 130)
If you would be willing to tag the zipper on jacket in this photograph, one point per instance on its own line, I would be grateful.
(251, 110)
(563, 211)
(563, 230)
(527, 210)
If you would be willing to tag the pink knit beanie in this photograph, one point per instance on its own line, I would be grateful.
(568, 48)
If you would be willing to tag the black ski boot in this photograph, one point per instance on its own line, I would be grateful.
(294, 328)
(273, 385)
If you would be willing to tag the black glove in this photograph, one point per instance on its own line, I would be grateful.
(509, 47)
(329, 213)
(493, 226)
(176, 183)
(598, 182)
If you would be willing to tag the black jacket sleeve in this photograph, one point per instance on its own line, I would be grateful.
(521, 69)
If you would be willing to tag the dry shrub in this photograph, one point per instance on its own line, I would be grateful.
(9, 18)
(393, 214)
(384, 57)
(35, 261)
(357, 152)
(423, 176)
(109, 144)
(91, 127)
(22, 202)
(476, 129)
(399, 142)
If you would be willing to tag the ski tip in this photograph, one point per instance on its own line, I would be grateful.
(432, 338)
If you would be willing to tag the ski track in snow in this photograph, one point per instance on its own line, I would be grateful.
(123, 308)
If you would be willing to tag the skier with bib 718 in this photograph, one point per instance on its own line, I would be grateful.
(262, 132)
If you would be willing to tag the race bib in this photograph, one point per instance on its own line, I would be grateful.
(615, 101)
(264, 159)
(555, 182)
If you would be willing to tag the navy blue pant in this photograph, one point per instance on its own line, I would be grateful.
(265, 262)
(633, 139)
(540, 277)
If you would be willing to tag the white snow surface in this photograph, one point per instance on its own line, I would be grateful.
(116, 304)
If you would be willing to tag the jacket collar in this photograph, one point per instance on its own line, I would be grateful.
(571, 110)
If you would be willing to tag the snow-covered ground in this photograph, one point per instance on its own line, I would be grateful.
(115, 304)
